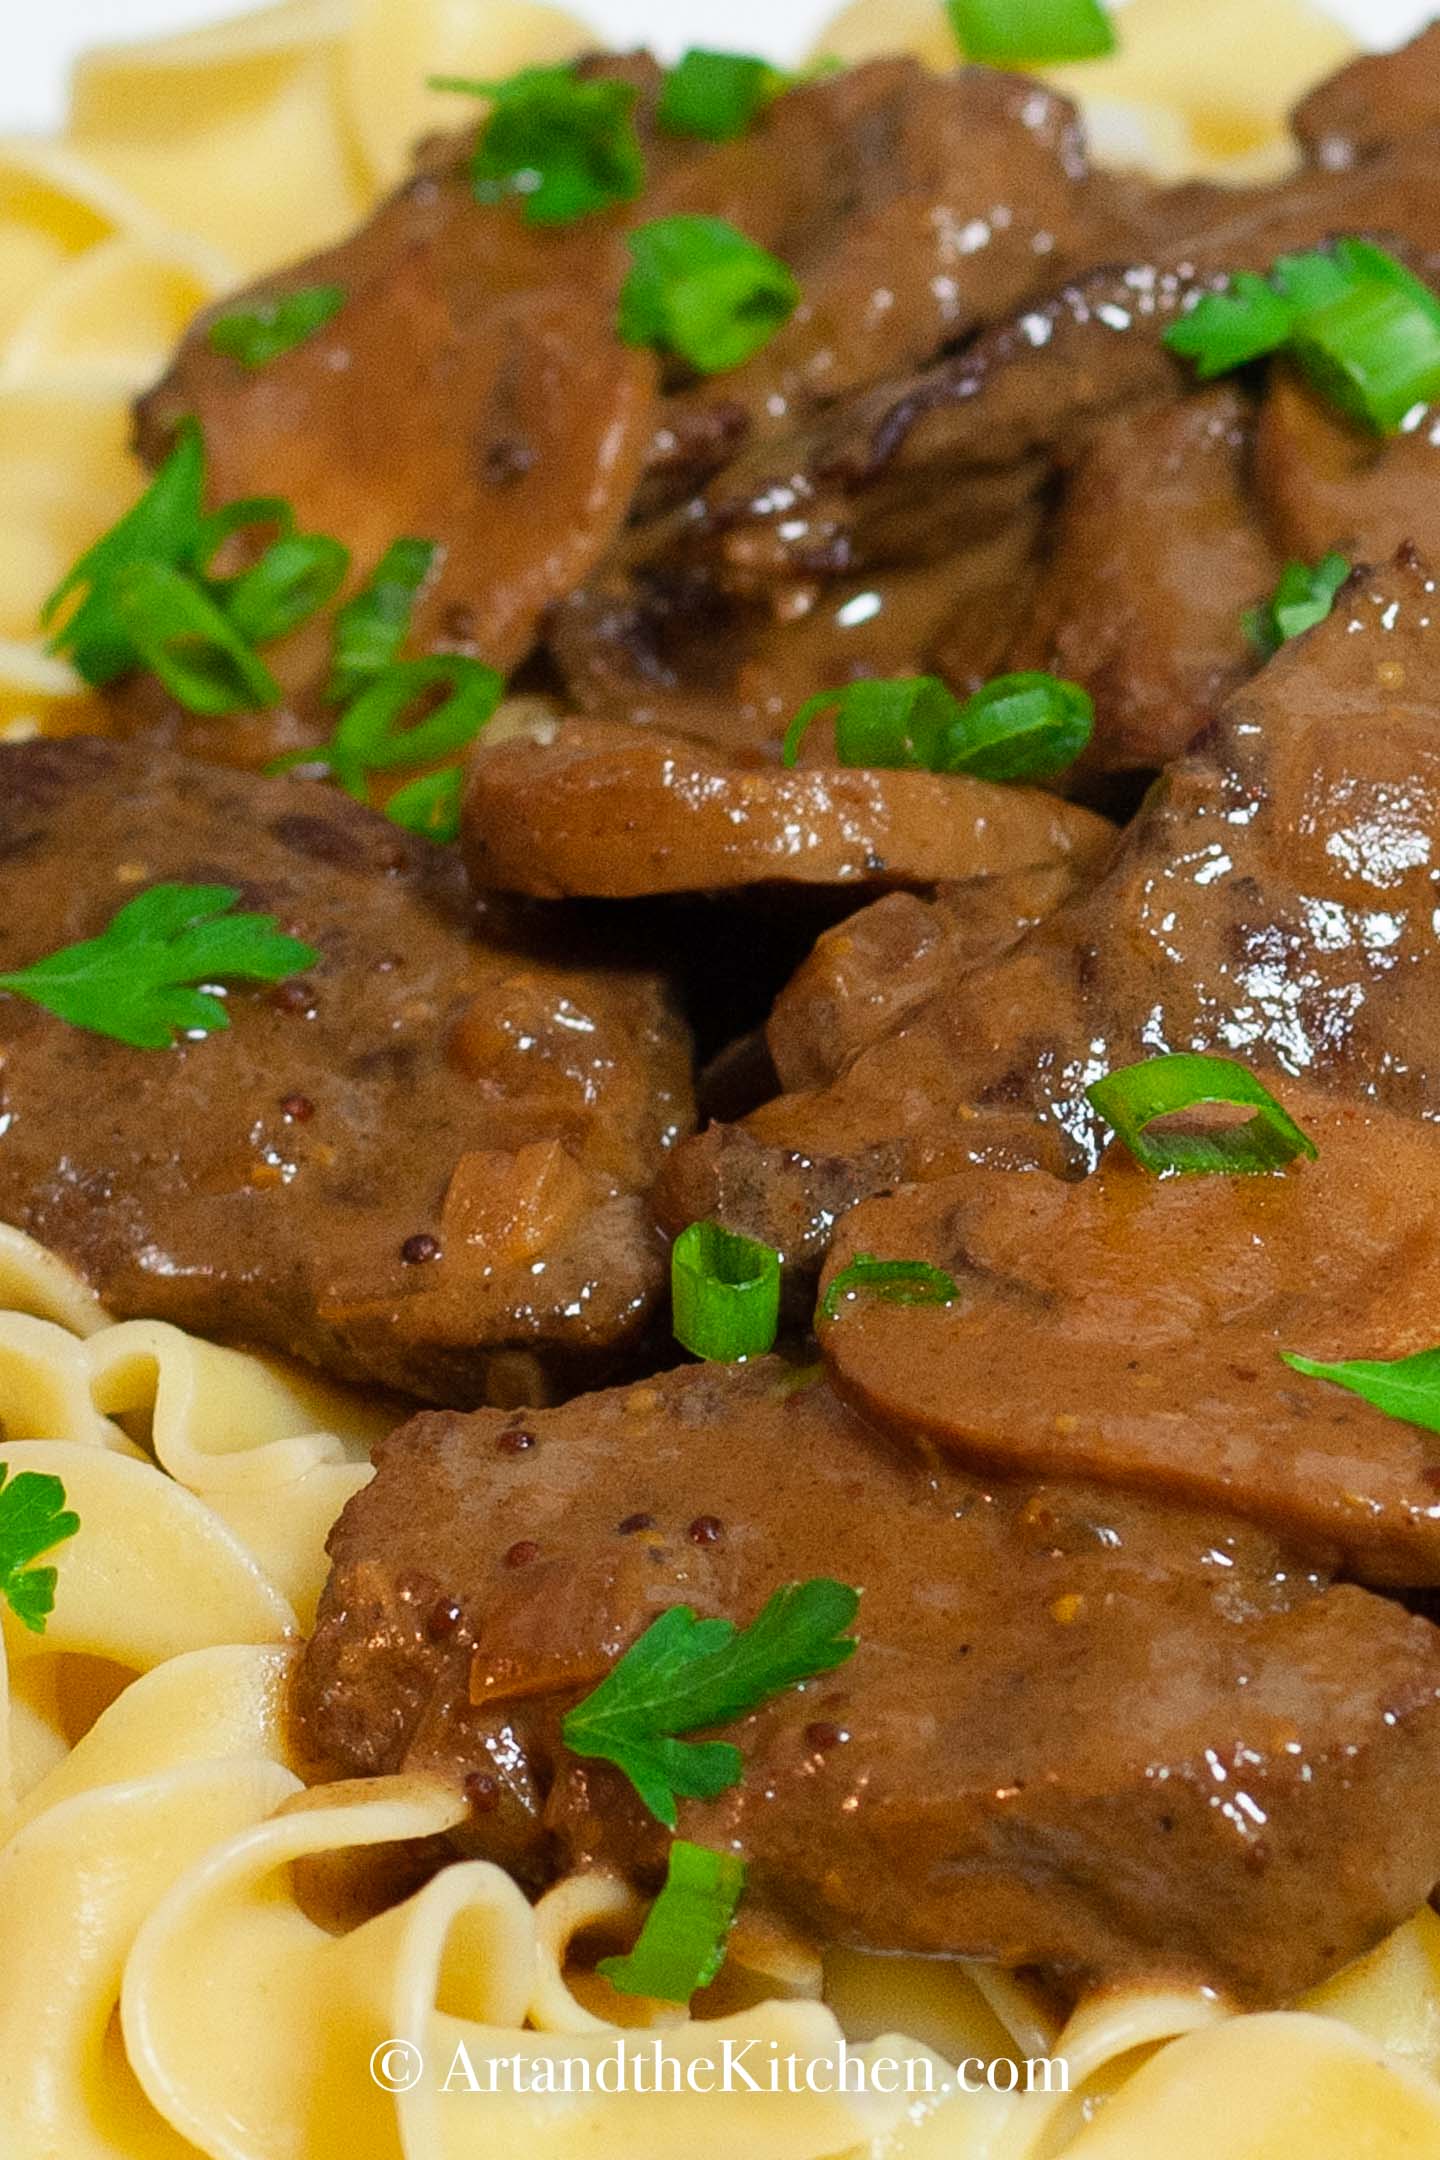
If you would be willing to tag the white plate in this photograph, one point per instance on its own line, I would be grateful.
(38, 42)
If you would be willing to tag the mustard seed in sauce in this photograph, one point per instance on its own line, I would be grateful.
(297, 1108)
(417, 1250)
(706, 1530)
(522, 1552)
(515, 1440)
(483, 1792)
(634, 1524)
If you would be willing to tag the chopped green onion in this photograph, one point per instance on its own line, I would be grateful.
(1364, 328)
(714, 96)
(1229, 329)
(1312, 280)
(1375, 352)
(1304, 597)
(564, 145)
(162, 527)
(291, 582)
(1018, 727)
(1407, 1388)
(726, 1293)
(682, 1944)
(880, 722)
(686, 1675)
(1130, 1101)
(700, 290)
(1002, 31)
(372, 735)
(261, 330)
(371, 628)
(430, 806)
(221, 526)
(177, 631)
(898, 1282)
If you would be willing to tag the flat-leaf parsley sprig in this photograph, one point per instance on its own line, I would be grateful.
(140, 981)
(684, 1674)
(33, 1521)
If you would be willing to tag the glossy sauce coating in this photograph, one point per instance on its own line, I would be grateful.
(422, 1164)
(1120, 1740)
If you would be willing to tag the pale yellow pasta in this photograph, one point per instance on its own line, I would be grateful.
(232, 135)
(1194, 88)
(394, 45)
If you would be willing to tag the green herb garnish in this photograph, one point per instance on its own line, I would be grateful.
(176, 630)
(682, 1944)
(685, 1674)
(1132, 1099)
(725, 1291)
(377, 733)
(714, 96)
(1406, 1388)
(1004, 31)
(164, 527)
(562, 144)
(1304, 597)
(259, 331)
(136, 982)
(150, 597)
(33, 1520)
(898, 1282)
(703, 292)
(371, 628)
(430, 806)
(291, 582)
(1018, 727)
(1363, 328)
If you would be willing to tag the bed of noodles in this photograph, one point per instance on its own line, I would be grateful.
(166, 1987)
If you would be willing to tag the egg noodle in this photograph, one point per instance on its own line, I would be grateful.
(176, 1979)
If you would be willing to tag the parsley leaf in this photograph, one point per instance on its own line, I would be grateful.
(685, 1673)
(1406, 1388)
(682, 1944)
(33, 1520)
(264, 329)
(136, 981)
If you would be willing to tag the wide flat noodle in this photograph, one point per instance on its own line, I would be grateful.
(189, 1968)
(1193, 90)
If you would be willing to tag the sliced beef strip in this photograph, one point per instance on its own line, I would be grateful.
(422, 1165)
(473, 390)
(668, 649)
(1116, 1740)
(591, 808)
(1325, 484)
(867, 974)
(1156, 553)
(911, 207)
(1130, 1327)
(1273, 901)
(912, 468)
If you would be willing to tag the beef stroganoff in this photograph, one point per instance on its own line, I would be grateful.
(617, 1460)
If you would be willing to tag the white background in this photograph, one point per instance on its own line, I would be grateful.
(38, 36)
